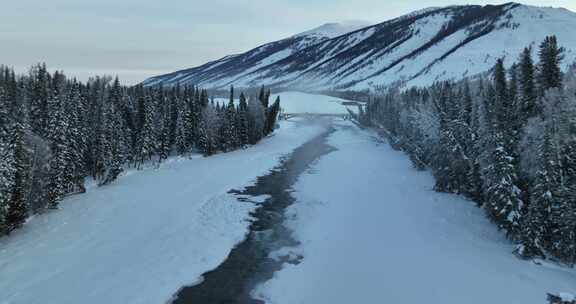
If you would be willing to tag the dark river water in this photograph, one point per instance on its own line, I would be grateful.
(249, 263)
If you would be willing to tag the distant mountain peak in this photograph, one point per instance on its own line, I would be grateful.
(335, 29)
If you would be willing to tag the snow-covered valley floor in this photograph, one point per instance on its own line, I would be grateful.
(371, 231)
(142, 238)
(306, 103)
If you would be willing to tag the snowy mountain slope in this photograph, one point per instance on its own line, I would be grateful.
(333, 30)
(415, 49)
(230, 68)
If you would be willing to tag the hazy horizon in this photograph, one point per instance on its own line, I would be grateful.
(140, 39)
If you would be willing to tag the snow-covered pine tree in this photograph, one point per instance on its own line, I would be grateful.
(513, 86)
(256, 120)
(146, 143)
(560, 109)
(272, 116)
(7, 165)
(172, 116)
(61, 178)
(209, 126)
(18, 208)
(191, 120)
(39, 94)
(242, 121)
(564, 215)
(503, 105)
(466, 134)
(449, 156)
(229, 130)
(503, 202)
(536, 226)
(78, 135)
(113, 138)
(528, 97)
(264, 97)
(549, 73)
(164, 147)
(181, 142)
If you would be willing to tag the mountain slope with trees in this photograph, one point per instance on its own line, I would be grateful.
(506, 140)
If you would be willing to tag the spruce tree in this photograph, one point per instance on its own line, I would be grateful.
(242, 121)
(61, 177)
(182, 143)
(18, 208)
(78, 135)
(549, 73)
(256, 121)
(164, 146)
(39, 95)
(146, 144)
(191, 122)
(536, 227)
(7, 168)
(208, 131)
(112, 138)
(230, 135)
(272, 116)
(527, 86)
(504, 204)
(502, 105)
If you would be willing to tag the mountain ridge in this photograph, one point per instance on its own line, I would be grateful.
(415, 49)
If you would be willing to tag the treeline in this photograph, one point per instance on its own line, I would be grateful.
(506, 140)
(55, 132)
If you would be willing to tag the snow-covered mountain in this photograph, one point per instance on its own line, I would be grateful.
(234, 67)
(333, 30)
(416, 49)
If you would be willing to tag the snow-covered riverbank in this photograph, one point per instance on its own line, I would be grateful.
(145, 236)
(370, 228)
(373, 231)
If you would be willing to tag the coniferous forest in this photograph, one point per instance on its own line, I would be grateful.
(507, 140)
(55, 132)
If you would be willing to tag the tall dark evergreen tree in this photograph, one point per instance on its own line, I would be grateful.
(7, 165)
(537, 225)
(549, 73)
(61, 179)
(18, 208)
(112, 136)
(272, 116)
(527, 86)
(39, 95)
(230, 138)
(146, 144)
(242, 121)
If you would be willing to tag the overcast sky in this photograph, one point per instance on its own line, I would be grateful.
(136, 39)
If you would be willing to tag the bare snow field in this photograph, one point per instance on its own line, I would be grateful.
(305, 103)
